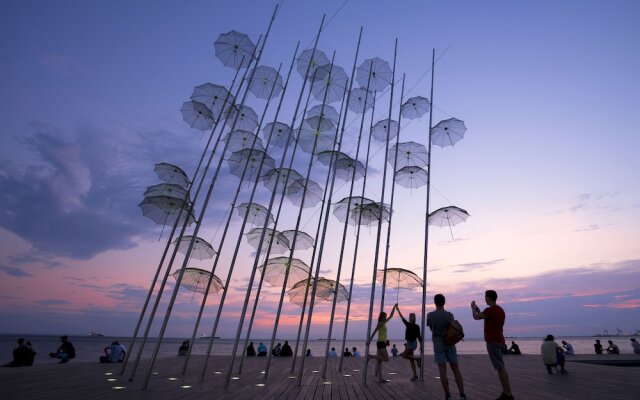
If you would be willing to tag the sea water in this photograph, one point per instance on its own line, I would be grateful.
(90, 348)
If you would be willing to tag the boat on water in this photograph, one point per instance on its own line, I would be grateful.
(204, 336)
(96, 334)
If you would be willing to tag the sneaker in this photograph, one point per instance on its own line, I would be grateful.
(447, 397)
(463, 397)
(505, 396)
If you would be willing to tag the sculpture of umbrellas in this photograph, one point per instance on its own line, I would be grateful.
(331, 79)
(241, 140)
(234, 49)
(306, 65)
(275, 269)
(256, 213)
(247, 119)
(170, 173)
(164, 210)
(415, 107)
(201, 250)
(279, 132)
(343, 164)
(324, 157)
(325, 290)
(399, 278)
(411, 177)
(318, 130)
(370, 213)
(266, 81)
(325, 111)
(351, 207)
(283, 178)
(280, 242)
(447, 132)
(361, 100)
(304, 241)
(166, 189)
(450, 216)
(196, 280)
(197, 115)
(313, 194)
(381, 74)
(409, 154)
(214, 97)
(379, 130)
(247, 163)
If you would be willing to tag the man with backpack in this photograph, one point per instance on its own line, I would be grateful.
(444, 348)
(493, 317)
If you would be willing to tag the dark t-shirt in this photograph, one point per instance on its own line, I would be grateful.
(412, 332)
(493, 323)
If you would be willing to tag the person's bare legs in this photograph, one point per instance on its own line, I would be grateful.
(504, 380)
(408, 354)
(456, 373)
(443, 378)
(379, 368)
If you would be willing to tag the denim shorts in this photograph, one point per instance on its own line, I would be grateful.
(449, 354)
(495, 354)
(411, 345)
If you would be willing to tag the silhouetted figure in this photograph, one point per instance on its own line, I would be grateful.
(635, 345)
(286, 350)
(394, 351)
(276, 351)
(262, 350)
(552, 355)
(514, 349)
(251, 351)
(568, 348)
(613, 348)
(309, 353)
(113, 354)
(23, 355)
(65, 352)
(347, 353)
(332, 352)
(356, 353)
(183, 350)
(597, 346)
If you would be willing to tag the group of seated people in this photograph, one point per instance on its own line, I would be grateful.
(279, 351)
(612, 349)
(23, 355)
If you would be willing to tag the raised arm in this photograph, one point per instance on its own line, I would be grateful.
(392, 311)
(475, 311)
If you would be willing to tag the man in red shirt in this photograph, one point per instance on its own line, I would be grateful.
(493, 317)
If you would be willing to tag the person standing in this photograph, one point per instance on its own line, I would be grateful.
(381, 344)
(438, 321)
(494, 317)
(412, 336)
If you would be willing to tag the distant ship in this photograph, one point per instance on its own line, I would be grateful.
(96, 334)
(619, 333)
(322, 338)
(205, 336)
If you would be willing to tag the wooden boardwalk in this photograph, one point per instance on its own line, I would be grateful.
(529, 380)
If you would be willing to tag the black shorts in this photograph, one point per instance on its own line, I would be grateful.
(380, 344)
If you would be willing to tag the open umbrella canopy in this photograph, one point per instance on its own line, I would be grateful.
(164, 210)
(325, 111)
(380, 71)
(280, 242)
(409, 154)
(266, 81)
(170, 173)
(304, 241)
(280, 179)
(196, 280)
(415, 107)
(309, 60)
(370, 213)
(247, 163)
(234, 49)
(448, 132)
(244, 118)
(312, 196)
(256, 214)
(351, 207)
(279, 132)
(330, 79)
(345, 166)
(399, 278)
(217, 98)
(325, 290)
(240, 139)
(167, 189)
(275, 270)
(411, 177)
(197, 115)
(318, 131)
(202, 250)
(448, 216)
(379, 130)
(326, 157)
(361, 100)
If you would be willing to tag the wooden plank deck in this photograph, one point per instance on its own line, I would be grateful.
(529, 380)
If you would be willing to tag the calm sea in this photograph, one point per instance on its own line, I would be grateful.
(89, 349)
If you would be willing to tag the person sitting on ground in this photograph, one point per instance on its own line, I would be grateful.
(552, 355)
(514, 349)
(411, 336)
(356, 353)
(394, 351)
(286, 350)
(332, 352)
(568, 348)
(22, 355)
(65, 352)
(262, 350)
(276, 350)
(113, 354)
(32, 354)
(613, 348)
(251, 351)
(184, 348)
(635, 345)
(597, 346)
(347, 353)
(309, 353)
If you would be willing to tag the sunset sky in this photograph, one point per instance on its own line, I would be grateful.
(548, 170)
